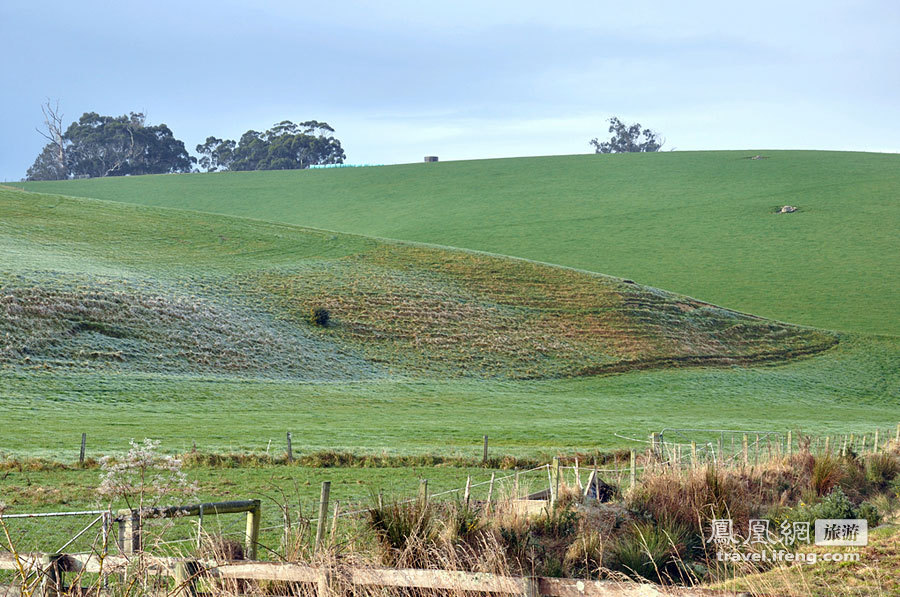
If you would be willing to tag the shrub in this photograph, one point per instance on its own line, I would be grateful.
(881, 469)
(691, 499)
(827, 473)
(652, 552)
(835, 505)
(320, 317)
(558, 521)
(585, 555)
(870, 512)
(404, 531)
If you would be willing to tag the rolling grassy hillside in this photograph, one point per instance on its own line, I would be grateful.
(699, 223)
(111, 287)
(131, 321)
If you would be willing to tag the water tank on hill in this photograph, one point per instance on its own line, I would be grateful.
(431, 158)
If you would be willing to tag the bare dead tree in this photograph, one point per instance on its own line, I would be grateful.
(53, 132)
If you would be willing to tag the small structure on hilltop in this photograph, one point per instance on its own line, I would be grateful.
(431, 158)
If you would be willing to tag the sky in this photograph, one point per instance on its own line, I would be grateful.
(461, 80)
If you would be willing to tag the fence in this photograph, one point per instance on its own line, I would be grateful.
(190, 575)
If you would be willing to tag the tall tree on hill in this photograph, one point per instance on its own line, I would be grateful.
(217, 154)
(98, 146)
(285, 146)
(51, 162)
(115, 146)
(628, 139)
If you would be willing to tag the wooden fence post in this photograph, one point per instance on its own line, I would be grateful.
(746, 446)
(655, 445)
(251, 540)
(129, 531)
(790, 444)
(468, 492)
(484, 456)
(51, 583)
(554, 480)
(693, 454)
(323, 512)
(81, 454)
(875, 445)
(491, 491)
(423, 492)
(186, 573)
(531, 587)
(290, 449)
(633, 471)
(516, 488)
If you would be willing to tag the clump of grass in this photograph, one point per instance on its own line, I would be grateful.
(584, 556)
(651, 552)
(320, 316)
(881, 469)
(827, 473)
(689, 499)
(404, 532)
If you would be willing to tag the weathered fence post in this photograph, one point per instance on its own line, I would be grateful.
(186, 572)
(129, 531)
(875, 445)
(251, 540)
(746, 447)
(531, 587)
(633, 471)
(323, 512)
(693, 454)
(655, 445)
(468, 492)
(484, 455)
(290, 449)
(554, 480)
(52, 580)
(81, 454)
(423, 493)
(790, 444)
(491, 491)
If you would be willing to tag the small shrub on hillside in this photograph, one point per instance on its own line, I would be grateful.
(320, 317)
(559, 521)
(585, 555)
(652, 552)
(827, 473)
(881, 469)
(404, 531)
(835, 505)
(870, 512)
(691, 499)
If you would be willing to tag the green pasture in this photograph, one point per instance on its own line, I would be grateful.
(697, 223)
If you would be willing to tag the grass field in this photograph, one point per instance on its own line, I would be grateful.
(698, 223)
(191, 328)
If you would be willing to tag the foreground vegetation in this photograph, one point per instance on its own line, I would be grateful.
(658, 531)
(698, 223)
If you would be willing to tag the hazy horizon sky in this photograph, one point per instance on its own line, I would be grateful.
(462, 80)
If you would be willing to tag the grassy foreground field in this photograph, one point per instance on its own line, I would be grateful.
(698, 223)
(127, 322)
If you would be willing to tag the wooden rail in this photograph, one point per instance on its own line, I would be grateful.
(130, 521)
(328, 580)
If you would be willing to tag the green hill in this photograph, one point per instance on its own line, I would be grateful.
(99, 286)
(698, 223)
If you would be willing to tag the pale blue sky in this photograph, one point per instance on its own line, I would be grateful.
(399, 80)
